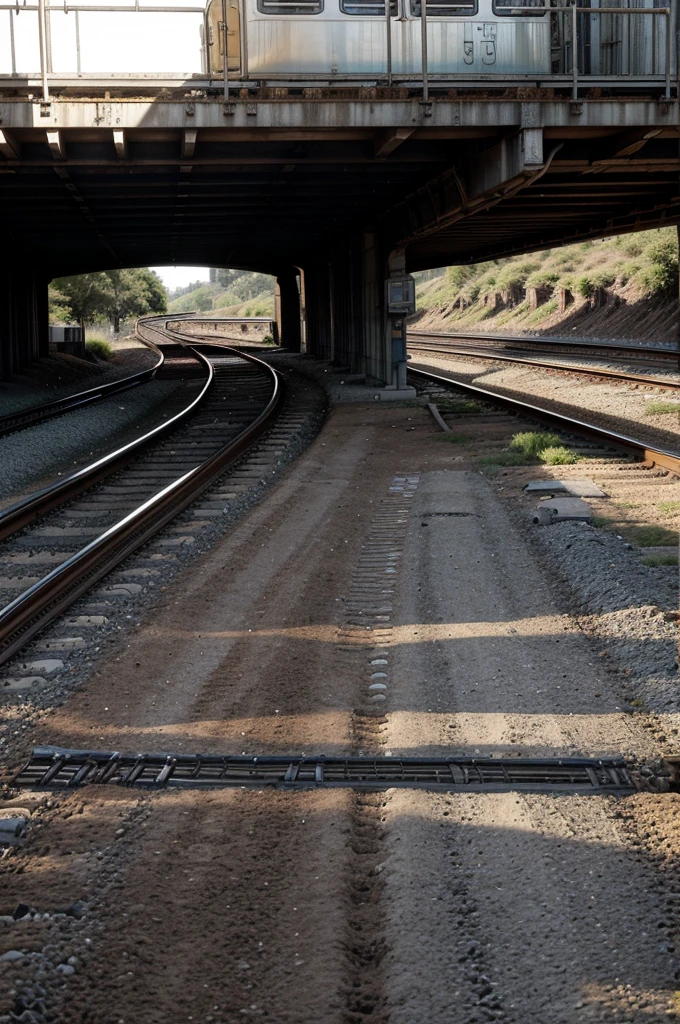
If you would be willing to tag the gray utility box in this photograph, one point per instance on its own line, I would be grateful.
(68, 339)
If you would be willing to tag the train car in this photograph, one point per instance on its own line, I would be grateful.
(334, 39)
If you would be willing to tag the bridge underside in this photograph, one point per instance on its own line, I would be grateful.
(346, 189)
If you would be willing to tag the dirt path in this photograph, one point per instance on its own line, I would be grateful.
(330, 906)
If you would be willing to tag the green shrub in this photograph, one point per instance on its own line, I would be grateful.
(532, 443)
(559, 456)
(584, 286)
(99, 348)
(542, 278)
(268, 339)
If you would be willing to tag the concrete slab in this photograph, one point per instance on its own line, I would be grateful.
(556, 510)
(582, 488)
(21, 683)
(46, 666)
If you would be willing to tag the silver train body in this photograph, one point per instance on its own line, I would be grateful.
(468, 39)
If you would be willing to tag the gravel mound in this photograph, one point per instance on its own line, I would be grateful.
(630, 609)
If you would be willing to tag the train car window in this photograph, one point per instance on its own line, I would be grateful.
(367, 8)
(506, 8)
(290, 6)
(446, 8)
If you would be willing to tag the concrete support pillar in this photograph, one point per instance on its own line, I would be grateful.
(23, 319)
(375, 347)
(287, 309)
(317, 293)
(346, 305)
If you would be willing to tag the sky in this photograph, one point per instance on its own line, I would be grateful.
(116, 42)
(178, 277)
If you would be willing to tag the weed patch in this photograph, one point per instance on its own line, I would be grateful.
(655, 561)
(532, 442)
(559, 456)
(99, 348)
(661, 408)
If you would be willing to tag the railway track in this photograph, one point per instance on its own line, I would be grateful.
(124, 499)
(515, 351)
(33, 415)
(661, 457)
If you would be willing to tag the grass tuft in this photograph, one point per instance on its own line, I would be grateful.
(99, 348)
(532, 442)
(655, 561)
(661, 408)
(558, 456)
(671, 507)
(652, 536)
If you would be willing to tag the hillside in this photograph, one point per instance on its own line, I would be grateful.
(625, 286)
(241, 294)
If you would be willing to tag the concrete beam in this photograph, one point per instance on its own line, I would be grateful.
(480, 183)
(56, 146)
(120, 143)
(390, 139)
(189, 138)
(327, 116)
(8, 149)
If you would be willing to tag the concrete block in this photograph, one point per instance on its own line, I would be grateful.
(21, 683)
(582, 488)
(557, 510)
(46, 667)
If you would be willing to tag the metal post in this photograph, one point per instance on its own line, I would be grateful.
(423, 49)
(667, 86)
(574, 53)
(78, 64)
(43, 53)
(48, 37)
(388, 29)
(12, 46)
(226, 53)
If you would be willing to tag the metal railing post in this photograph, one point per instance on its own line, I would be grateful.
(667, 85)
(574, 53)
(423, 49)
(388, 39)
(12, 45)
(43, 54)
(78, 61)
(226, 53)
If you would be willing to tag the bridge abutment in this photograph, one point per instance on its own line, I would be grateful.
(24, 335)
(287, 309)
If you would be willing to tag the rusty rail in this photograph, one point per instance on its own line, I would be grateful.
(481, 353)
(662, 457)
(29, 613)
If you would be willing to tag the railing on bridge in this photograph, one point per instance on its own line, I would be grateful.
(588, 45)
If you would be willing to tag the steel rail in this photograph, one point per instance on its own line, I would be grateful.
(528, 341)
(479, 353)
(27, 510)
(35, 414)
(663, 457)
(36, 607)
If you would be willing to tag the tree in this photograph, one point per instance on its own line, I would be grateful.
(87, 295)
(112, 294)
(134, 293)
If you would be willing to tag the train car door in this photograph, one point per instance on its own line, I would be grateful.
(215, 30)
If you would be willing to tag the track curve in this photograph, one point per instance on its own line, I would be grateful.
(234, 407)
